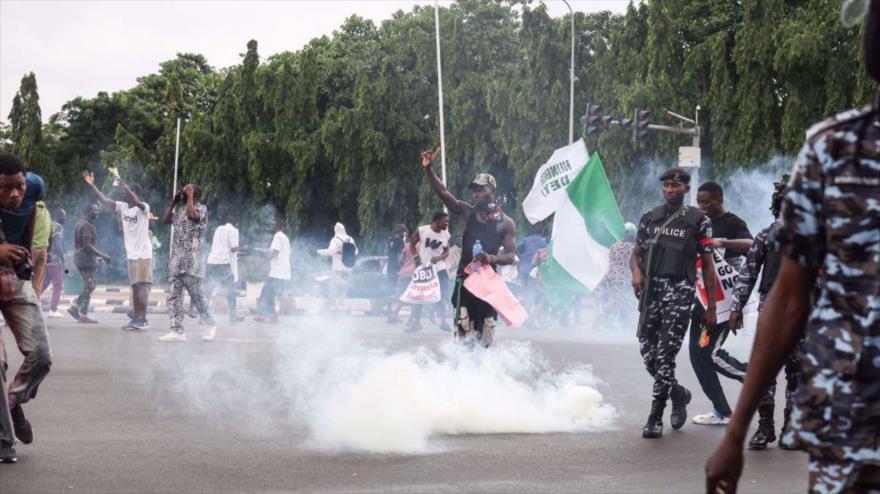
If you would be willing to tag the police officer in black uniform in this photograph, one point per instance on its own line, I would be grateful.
(670, 239)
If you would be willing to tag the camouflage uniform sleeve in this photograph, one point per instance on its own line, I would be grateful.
(704, 236)
(801, 236)
(745, 283)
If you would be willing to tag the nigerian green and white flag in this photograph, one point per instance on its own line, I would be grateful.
(586, 220)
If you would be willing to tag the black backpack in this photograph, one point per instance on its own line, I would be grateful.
(349, 253)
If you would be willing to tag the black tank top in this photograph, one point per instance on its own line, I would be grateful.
(489, 234)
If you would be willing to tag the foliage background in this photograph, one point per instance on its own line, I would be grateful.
(333, 131)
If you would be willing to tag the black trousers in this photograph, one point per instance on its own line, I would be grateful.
(711, 360)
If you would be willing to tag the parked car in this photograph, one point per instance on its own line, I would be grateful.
(368, 278)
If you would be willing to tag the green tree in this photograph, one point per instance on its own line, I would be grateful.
(331, 132)
(26, 124)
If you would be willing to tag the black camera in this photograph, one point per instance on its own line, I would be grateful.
(24, 269)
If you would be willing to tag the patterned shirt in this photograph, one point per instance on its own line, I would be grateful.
(831, 222)
(619, 274)
(187, 249)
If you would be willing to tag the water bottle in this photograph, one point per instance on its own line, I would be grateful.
(477, 250)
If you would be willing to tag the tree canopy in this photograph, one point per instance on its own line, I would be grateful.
(333, 131)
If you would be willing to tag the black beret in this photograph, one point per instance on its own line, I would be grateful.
(676, 175)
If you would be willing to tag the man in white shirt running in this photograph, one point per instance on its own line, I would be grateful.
(134, 214)
(279, 275)
(222, 269)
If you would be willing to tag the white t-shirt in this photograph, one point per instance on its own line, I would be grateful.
(225, 239)
(135, 231)
(432, 244)
(279, 266)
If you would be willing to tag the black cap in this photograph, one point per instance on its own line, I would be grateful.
(676, 175)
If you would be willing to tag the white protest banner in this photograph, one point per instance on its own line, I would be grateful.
(725, 281)
(548, 191)
(424, 287)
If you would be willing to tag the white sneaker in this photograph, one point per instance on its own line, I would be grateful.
(210, 331)
(54, 315)
(710, 418)
(173, 336)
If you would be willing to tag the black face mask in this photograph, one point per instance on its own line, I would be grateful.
(871, 41)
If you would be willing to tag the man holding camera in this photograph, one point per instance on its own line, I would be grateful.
(19, 193)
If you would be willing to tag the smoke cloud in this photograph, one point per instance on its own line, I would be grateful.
(355, 397)
(350, 395)
(747, 192)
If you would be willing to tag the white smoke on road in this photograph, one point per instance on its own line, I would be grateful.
(354, 397)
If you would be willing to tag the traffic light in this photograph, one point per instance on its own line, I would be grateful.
(642, 121)
(591, 119)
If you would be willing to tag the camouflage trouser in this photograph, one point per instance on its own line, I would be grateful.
(792, 369)
(666, 321)
(832, 477)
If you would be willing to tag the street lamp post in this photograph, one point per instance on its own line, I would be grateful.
(174, 189)
(571, 80)
(440, 94)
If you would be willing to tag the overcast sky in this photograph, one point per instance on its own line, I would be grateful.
(77, 48)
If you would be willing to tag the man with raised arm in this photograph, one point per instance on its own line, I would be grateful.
(135, 215)
(485, 225)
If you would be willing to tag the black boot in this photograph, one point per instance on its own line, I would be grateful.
(654, 426)
(786, 423)
(680, 398)
(766, 432)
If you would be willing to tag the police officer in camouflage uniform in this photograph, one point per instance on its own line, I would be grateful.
(669, 240)
(764, 257)
(830, 222)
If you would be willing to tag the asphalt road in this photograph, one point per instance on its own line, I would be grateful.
(113, 417)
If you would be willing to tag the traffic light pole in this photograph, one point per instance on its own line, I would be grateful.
(692, 168)
(689, 157)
